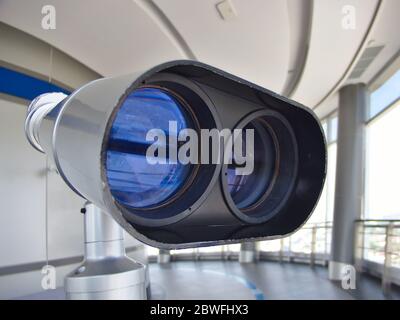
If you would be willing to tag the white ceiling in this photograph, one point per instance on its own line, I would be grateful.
(297, 47)
(239, 45)
(332, 47)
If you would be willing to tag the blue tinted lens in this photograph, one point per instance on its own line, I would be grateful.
(132, 180)
(247, 190)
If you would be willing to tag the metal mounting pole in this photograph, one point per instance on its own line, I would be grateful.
(106, 272)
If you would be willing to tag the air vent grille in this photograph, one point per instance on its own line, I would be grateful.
(366, 59)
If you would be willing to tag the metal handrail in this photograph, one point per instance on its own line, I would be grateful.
(385, 250)
(383, 257)
(378, 220)
(309, 250)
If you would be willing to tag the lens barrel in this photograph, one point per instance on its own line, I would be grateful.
(134, 181)
(259, 196)
(98, 138)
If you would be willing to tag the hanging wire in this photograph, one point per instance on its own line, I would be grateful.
(46, 210)
(47, 172)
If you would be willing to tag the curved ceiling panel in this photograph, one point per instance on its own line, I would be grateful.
(300, 13)
(253, 43)
(332, 47)
(111, 37)
(385, 34)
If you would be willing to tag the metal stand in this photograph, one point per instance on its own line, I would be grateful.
(106, 272)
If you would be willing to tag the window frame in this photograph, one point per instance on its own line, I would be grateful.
(372, 87)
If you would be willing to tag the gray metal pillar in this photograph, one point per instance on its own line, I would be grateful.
(164, 256)
(106, 272)
(248, 252)
(353, 100)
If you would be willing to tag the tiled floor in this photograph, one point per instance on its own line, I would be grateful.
(231, 280)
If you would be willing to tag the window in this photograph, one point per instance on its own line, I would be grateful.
(324, 210)
(151, 251)
(385, 95)
(382, 174)
(383, 152)
(270, 246)
(383, 165)
(222, 250)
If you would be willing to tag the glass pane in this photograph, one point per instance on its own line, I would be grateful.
(133, 181)
(319, 214)
(301, 241)
(211, 249)
(320, 244)
(151, 251)
(183, 251)
(385, 95)
(333, 129)
(382, 166)
(374, 244)
(270, 246)
(234, 247)
(324, 210)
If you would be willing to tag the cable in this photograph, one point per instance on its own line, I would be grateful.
(47, 173)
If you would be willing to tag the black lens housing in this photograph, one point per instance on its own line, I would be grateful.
(299, 169)
(287, 185)
(203, 177)
(276, 194)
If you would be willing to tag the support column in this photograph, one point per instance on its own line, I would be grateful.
(248, 252)
(106, 272)
(164, 256)
(353, 100)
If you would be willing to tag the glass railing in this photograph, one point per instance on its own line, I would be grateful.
(310, 244)
(377, 249)
(224, 252)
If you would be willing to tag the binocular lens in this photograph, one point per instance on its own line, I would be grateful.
(247, 190)
(133, 181)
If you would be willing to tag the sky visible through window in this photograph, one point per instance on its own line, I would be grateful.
(385, 95)
(383, 166)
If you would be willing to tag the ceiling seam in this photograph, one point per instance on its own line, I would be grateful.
(159, 17)
(356, 57)
(291, 89)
